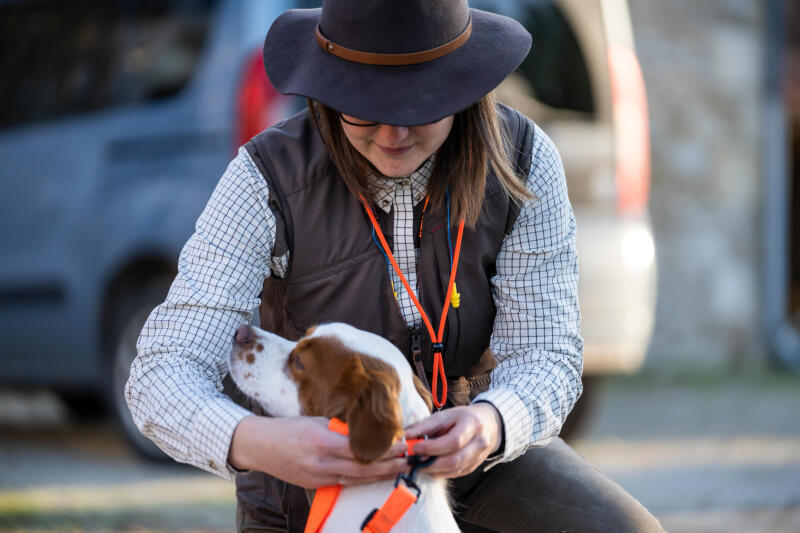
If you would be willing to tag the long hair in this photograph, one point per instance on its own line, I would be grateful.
(475, 145)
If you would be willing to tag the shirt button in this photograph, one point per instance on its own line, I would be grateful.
(405, 183)
(418, 197)
(212, 464)
(384, 203)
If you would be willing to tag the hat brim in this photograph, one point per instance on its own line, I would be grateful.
(406, 95)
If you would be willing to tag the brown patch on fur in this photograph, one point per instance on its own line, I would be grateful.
(248, 375)
(259, 347)
(425, 393)
(334, 381)
(250, 357)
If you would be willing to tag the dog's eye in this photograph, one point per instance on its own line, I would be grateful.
(294, 360)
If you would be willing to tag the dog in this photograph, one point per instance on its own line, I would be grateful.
(337, 370)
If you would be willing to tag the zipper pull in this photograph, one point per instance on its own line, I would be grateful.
(416, 356)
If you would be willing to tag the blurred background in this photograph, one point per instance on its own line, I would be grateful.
(681, 149)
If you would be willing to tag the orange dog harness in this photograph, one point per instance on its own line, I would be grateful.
(379, 520)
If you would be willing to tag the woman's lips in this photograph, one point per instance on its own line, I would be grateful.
(395, 151)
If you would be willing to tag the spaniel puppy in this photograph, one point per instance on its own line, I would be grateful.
(336, 370)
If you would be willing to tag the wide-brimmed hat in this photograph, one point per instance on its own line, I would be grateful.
(401, 62)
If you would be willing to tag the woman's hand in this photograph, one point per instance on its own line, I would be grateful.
(463, 438)
(302, 451)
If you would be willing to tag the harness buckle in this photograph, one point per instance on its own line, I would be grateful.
(410, 483)
(417, 463)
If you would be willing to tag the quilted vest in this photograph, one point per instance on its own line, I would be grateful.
(337, 273)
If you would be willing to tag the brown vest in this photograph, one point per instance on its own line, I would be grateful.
(336, 273)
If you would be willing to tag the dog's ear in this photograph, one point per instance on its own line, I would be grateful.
(373, 416)
(425, 393)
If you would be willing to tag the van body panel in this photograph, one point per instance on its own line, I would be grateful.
(83, 196)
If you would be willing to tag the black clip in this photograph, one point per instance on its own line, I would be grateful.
(438, 347)
(417, 463)
(410, 483)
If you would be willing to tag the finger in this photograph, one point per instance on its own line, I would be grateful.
(459, 463)
(327, 481)
(339, 446)
(456, 438)
(362, 480)
(330, 479)
(434, 424)
(321, 420)
(398, 449)
(353, 469)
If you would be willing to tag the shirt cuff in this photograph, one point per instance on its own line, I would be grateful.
(213, 431)
(517, 424)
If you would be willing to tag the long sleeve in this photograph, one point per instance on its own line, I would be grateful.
(536, 336)
(174, 389)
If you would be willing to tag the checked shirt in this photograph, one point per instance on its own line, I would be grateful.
(174, 390)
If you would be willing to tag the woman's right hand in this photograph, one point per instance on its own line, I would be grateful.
(304, 452)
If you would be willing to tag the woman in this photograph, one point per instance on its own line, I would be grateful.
(401, 124)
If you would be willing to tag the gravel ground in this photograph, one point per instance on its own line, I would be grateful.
(704, 454)
(711, 454)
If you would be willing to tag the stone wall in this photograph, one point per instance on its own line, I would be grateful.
(703, 66)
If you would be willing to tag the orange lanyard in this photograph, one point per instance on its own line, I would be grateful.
(438, 348)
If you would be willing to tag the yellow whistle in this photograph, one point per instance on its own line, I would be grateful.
(455, 299)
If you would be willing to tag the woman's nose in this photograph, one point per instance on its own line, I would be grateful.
(391, 136)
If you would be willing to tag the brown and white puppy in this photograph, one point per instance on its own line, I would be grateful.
(336, 370)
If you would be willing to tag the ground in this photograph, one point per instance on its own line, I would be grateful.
(705, 454)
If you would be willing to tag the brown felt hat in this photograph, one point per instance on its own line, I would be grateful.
(401, 62)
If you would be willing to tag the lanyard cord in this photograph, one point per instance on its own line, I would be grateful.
(388, 264)
(438, 364)
(449, 242)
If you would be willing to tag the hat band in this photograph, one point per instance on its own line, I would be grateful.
(369, 58)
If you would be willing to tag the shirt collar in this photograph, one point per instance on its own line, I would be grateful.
(418, 181)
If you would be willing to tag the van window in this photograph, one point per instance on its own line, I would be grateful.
(63, 58)
(556, 67)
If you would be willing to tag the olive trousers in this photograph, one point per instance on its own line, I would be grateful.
(547, 489)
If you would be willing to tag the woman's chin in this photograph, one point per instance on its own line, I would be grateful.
(398, 168)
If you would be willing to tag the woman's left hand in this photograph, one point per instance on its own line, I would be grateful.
(462, 438)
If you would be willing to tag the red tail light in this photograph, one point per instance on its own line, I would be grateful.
(258, 104)
(632, 129)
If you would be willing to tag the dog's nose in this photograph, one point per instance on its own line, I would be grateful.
(244, 334)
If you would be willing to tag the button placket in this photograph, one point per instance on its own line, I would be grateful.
(404, 250)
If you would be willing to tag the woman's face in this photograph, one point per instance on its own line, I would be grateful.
(396, 151)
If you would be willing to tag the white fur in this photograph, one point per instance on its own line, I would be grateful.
(267, 381)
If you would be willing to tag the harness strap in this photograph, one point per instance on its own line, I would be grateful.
(384, 519)
(324, 502)
(325, 497)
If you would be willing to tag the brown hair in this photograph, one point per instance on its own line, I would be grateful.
(474, 145)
